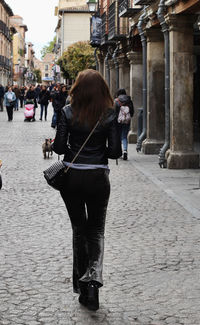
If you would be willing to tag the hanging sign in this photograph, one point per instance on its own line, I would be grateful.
(95, 31)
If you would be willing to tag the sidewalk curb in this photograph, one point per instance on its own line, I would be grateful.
(192, 210)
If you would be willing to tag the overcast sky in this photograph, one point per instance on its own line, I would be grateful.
(39, 17)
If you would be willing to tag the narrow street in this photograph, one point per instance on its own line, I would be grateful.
(151, 268)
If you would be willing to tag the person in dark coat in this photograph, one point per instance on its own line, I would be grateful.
(2, 92)
(31, 98)
(43, 100)
(122, 99)
(21, 96)
(53, 93)
(37, 91)
(59, 101)
(16, 90)
(87, 188)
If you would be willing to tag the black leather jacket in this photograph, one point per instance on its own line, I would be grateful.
(104, 143)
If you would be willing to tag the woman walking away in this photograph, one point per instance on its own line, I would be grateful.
(10, 99)
(44, 97)
(125, 110)
(87, 188)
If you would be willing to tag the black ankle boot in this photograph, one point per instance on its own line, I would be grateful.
(84, 294)
(93, 296)
(83, 300)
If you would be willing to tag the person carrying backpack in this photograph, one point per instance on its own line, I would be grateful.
(124, 110)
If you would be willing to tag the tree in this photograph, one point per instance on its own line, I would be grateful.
(48, 48)
(78, 57)
(38, 75)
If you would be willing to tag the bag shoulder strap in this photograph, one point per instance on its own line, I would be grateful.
(83, 145)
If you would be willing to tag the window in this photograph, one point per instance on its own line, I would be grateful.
(46, 75)
(46, 67)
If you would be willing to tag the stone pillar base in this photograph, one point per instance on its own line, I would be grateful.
(182, 160)
(132, 137)
(151, 146)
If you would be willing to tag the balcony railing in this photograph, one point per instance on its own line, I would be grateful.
(118, 28)
(104, 33)
(4, 30)
(4, 62)
(113, 28)
(143, 2)
(127, 8)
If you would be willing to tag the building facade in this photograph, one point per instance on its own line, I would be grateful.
(46, 66)
(152, 49)
(5, 44)
(29, 64)
(73, 23)
(19, 50)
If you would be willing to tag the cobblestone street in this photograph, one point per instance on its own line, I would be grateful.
(152, 247)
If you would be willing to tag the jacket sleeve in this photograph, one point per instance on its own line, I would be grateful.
(114, 150)
(60, 143)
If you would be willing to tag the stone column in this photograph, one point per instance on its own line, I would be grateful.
(181, 154)
(124, 73)
(155, 92)
(135, 60)
(112, 77)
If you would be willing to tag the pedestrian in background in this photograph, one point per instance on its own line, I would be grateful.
(43, 100)
(58, 101)
(21, 96)
(87, 189)
(16, 90)
(37, 91)
(125, 110)
(9, 99)
(2, 92)
(31, 98)
(53, 92)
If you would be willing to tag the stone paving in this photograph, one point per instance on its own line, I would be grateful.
(152, 253)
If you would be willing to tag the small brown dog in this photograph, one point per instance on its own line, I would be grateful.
(46, 148)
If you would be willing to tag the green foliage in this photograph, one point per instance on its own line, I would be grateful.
(48, 48)
(21, 52)
(38, 75)
(78, 57)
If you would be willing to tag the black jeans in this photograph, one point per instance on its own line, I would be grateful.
(9, 112)
(21, 98)
(43, 107)
(86, 196)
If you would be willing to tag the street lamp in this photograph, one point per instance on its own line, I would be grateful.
(95, 27)
(92, 5)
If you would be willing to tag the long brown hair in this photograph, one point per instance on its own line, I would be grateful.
(90, 97)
